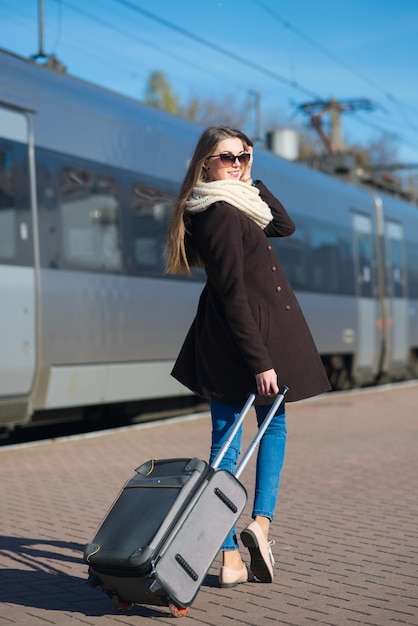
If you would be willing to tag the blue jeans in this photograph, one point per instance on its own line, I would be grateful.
(270, 456)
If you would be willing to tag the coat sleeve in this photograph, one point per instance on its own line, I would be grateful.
(281, 225)
(218, 235)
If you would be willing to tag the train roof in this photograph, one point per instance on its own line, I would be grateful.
(85, 120)
(89, 121)
(28, 73)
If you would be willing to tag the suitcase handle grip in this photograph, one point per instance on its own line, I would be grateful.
(247, 406)
(266, 422)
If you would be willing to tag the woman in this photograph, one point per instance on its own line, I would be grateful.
(249, 330)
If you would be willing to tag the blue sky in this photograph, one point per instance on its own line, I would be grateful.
(288, 53)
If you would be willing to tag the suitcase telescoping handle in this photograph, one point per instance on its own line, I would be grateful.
(247, 406)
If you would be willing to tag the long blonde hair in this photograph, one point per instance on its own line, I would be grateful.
(179, 260)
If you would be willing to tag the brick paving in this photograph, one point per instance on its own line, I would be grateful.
(346, 528)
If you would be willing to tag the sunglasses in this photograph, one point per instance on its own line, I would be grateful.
(227, 158)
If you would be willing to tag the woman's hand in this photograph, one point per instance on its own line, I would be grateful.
(267, 383)
(245, 176)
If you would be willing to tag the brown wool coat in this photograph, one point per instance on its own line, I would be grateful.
(248, 318)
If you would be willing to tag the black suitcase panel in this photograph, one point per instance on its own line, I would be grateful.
(144, 511)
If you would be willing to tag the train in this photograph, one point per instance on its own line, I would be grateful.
(89, 321)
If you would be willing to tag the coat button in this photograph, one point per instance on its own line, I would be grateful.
(278, 288)
(287, 307)
(273, 268)
(269, 247)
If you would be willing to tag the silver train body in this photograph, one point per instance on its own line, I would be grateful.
(88, 320)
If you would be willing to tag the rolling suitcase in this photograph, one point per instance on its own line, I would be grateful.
(159, 538)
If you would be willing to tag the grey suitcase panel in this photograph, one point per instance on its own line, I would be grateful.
(186, 559)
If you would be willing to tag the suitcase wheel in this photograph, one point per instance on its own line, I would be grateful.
(122, 605)
(177, 611)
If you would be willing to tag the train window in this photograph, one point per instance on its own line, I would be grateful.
(7, 207)
(395, 267)
(16, 245)
(317, 257)
(364, 257)
(346, 282)
(324, 259)
(292, 254)
(89, 209)
(150, 211)
(51, 248)
(412, 265)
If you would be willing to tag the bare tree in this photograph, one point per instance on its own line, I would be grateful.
(216, 112)
(383, 150)
(160, 95)
(227, 110)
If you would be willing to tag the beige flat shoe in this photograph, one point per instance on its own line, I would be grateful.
(231, 577)
(262, 560)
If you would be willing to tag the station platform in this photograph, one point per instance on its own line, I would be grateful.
(346, 528)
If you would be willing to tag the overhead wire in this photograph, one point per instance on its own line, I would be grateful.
(286, 24)
(112, 26)
(59, 26)
(220, 49)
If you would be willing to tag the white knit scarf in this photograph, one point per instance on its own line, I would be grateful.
(241, 195)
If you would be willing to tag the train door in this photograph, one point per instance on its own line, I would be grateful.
(368, 345)
(17, 274)
(397, 319)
